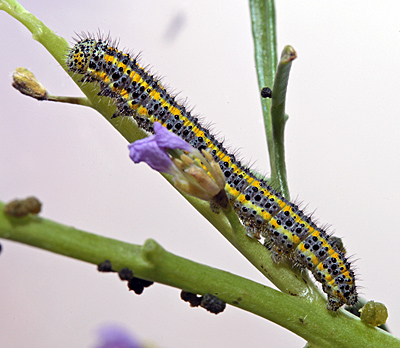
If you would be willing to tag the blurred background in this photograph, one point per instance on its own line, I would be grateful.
(342, 151)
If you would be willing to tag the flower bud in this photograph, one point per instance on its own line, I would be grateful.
(195, 173)
(25, 82)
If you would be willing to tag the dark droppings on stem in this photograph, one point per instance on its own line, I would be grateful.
(193, 299)
(137, 285)
(212, 304)
(125, 274)
(105, 266)
(209, 302)
(266, 92)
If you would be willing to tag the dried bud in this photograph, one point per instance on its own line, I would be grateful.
(25, 82)
(23, 207)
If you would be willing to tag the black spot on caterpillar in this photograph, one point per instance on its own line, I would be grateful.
(289, 233)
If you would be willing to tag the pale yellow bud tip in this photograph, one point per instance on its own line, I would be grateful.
(203, 181)
(218, 175)
(25, 82)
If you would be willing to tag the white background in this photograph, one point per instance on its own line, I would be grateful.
(342, 149)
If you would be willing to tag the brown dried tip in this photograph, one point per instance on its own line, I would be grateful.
(23, 207)
(25, 82)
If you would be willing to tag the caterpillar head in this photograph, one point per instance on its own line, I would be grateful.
(79, 57)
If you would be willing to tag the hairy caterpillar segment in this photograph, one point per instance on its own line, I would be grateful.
(287, 231)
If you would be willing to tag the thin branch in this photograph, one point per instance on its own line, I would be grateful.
(265, 52)
(308, 319)
(279, 117)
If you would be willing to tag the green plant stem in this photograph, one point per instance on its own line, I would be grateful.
(279, 117)
(269, 74)
(70, 100)
(56, 45)
(265, 51)
(309, 319)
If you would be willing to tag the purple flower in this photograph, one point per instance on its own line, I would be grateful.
(153, 149)
(195, 173)
(113, 336)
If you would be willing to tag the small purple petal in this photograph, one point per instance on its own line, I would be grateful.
(147, 150)
(153, 150)
(168, 140)
(113, 336)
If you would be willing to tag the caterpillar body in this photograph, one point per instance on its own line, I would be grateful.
(289, 233)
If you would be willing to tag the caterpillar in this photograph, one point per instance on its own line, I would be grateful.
(288, 232)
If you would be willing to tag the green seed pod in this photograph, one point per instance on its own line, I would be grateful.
(374, 313)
